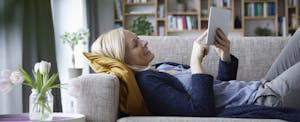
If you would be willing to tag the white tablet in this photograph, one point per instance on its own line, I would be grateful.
(218, 18)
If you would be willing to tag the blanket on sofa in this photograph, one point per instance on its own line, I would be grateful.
(261, 112)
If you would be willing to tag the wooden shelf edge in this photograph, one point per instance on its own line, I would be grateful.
(182, 13)
(290, 28)
(259, 17)
(137, 4)
(173, 31)
(161, 19)
(237, 30)
(118, 20)
(204, 18)
(260, 1)
(140, 14)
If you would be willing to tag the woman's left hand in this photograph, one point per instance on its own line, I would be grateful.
(222, 45)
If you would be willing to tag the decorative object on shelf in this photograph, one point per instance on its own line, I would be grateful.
(294, 21)
(237, 22)
(181, 5)
(263, 32)
(204, 13)
(41, 99)
(141, 26)
(72, 39)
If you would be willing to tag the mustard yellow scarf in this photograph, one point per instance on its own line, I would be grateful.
(131, 100)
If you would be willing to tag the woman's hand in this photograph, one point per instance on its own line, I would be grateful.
(199, 51)
(222, 46)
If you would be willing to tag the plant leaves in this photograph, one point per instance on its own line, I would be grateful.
(39, 81)
(49, 83)
(26, 77)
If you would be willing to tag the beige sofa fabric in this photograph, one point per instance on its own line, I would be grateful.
(99, 97)
(255, 54)
(193, 119)
(99, 93)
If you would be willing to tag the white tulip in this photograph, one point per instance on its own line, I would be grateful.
(36, 67)
(16, 77)
(44, 67)
(5, 73)
(5, 85)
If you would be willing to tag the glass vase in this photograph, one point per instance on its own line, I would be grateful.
(40, 105)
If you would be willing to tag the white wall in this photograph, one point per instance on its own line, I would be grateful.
(68, 16)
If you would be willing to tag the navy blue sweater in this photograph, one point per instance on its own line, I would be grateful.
(165, 95)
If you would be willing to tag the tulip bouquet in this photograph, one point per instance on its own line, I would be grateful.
(41, 107)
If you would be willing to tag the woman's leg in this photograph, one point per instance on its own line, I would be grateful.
(282, 78)
(289, 55)
(272, 93)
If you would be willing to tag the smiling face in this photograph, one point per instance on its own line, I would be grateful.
(136, 50)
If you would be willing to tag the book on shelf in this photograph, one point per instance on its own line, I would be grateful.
(292, 3)
(294, 21)
(265, 10)
(161, 30)
(189, 22)
(260, 9)
(182, 22)
(221, 3)
(118, 8)
(141, 12)
(179, 23)
(170, 22)
(282, 26)
(136, 1)
(161, 11)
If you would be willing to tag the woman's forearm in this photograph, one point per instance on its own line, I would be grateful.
(196, 66)
(226, 57)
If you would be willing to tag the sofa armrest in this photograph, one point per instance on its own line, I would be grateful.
(98, 97)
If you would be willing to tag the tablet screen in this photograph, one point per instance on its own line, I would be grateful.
(218, 18)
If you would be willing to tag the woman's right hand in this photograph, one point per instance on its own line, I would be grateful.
(199, 51)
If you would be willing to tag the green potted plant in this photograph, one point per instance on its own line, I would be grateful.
(73, 39)
(259, 31)
(141, 26)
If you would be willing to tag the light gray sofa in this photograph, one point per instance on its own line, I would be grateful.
(99, 93)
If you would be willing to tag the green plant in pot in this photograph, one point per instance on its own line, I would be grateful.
(73, 39)
(141, 26)
(259, 31)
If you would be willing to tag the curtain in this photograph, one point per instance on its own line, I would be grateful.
(38, 43)
(92, 20)
(100, 17)
(11, 51)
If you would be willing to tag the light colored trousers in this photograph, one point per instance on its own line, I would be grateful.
(283, 78)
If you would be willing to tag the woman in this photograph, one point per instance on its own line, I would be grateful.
(188, 90)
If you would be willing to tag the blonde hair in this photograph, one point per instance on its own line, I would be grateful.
(112, 45)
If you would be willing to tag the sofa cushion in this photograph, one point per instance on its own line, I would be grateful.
(192, 119)
(98, 97)
(255, 54)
